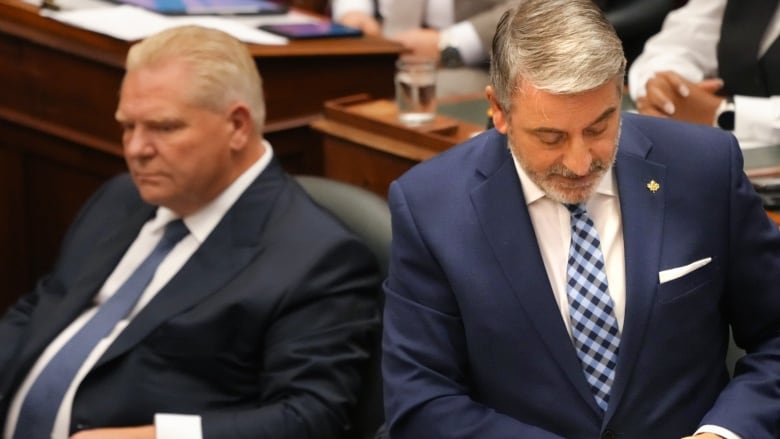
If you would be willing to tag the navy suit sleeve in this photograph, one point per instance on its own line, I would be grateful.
(750, 403)
(315, 348)
(424, 364)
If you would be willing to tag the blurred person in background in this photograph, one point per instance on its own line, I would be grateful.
(715, 62)
(457, 33)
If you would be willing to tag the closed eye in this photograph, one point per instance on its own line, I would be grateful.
(550, 138)
(600, 125)
(127, 126)
(596, 130)
(166, 126)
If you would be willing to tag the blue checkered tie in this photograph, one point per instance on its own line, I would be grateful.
(40, 406)
(594, 328)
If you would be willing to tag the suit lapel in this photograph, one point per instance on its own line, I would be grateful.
(641, 185)
(103, 259)
(503, 215)
(232, 244)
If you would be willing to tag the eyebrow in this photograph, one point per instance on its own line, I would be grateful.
(603, 116)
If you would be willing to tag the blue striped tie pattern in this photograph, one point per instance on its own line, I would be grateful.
(594, 328)
(40, 406)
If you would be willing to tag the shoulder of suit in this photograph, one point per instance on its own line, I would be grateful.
(670, 141)
(459, 162)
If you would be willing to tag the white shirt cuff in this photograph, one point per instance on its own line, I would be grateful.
(173, 426)
(720, 431)
(757, 119)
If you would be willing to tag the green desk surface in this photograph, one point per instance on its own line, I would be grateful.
(468, 110)
(762, 157)
(475, 111)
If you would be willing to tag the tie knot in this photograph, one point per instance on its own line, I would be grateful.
(175, 231)
(576, 210)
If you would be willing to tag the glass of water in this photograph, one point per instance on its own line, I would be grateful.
(415, 90)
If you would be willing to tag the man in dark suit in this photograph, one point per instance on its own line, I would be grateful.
(256, 322)
(574, 272)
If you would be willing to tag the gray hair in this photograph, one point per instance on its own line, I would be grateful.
(559, 46)
(224, 71)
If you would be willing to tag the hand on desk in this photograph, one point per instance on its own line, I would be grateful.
(419, 42)
(670, 95)
(368, 24)
(144, 432)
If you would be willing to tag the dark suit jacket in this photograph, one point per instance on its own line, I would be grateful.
(263, 332)
(743, 26)
(474, 345)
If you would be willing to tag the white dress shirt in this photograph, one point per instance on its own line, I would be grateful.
(552, 225)
(200, 225)
(551, 221)
(687, 44)
(439, 14)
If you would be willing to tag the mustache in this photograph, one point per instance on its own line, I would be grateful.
(596, 166)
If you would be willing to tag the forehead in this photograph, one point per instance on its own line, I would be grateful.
(159, 75)
(154, 88)
(531, 106)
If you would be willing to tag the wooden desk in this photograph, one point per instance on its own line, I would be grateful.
(364, 144)
(59, 141)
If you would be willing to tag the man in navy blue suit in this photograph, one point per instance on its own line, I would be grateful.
(257, 323)
(574, 272)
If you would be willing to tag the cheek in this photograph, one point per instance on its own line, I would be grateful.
(185, 157)
(209, 159)
(532, 156)
(604, 150)
(541, 163)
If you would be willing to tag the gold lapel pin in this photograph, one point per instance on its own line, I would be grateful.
(653, 186)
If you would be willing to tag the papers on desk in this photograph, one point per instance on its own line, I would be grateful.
(131, 23)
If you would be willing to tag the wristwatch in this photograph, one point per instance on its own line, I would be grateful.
(449, 55)
(724, 115)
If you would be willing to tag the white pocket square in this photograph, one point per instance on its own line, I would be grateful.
(677, 272)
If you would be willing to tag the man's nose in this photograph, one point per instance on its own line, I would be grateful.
(578, 158)
(136, 143)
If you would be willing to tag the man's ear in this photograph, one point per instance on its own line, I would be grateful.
(240, 124)
(500, 119)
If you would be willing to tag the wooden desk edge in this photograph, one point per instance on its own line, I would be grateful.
(379, 142)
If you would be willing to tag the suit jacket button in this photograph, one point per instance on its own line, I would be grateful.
(608, 434)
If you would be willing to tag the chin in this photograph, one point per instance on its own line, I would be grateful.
(568, 195)
(151, 196)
